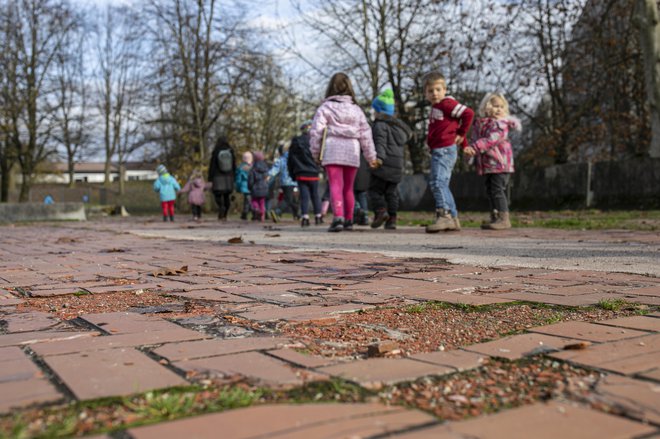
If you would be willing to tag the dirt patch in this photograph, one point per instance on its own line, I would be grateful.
(430, 328)
(71, 306)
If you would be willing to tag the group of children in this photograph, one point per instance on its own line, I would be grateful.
(336, 139)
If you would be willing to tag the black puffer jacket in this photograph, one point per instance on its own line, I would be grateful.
(257, 181)
(300, 162)
(390, 137)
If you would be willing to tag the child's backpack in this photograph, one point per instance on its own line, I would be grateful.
(225, 160)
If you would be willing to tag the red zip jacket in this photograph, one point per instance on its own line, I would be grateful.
(448, 119)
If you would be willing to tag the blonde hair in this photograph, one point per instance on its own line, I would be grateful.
(486, 104)
(432, 77)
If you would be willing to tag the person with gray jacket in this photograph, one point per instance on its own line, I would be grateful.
(390, 138)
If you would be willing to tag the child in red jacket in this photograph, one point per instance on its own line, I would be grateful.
(449, 122)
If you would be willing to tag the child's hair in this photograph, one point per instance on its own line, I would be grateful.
(432, 77)
(486, 104)
(340, 85)
(247, 157)
(195, 173)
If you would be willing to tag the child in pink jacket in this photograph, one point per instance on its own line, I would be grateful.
(195, 188)
(494, 156)
(346, 132)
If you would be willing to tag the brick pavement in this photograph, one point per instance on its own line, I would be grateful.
(45, 360)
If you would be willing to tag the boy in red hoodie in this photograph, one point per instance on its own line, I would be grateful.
(449, 122)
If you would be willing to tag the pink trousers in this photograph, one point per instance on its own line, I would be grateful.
(341, 179)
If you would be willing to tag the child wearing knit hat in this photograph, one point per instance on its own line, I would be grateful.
(167, 187)
(390, 138)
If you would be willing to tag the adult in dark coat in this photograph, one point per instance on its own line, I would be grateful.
(390, 137)
(222, 180)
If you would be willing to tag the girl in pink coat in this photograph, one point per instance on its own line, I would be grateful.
(339, 130)
(195, 188)
(493, 155)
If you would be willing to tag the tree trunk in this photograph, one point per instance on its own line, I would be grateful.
(649, 28)
(4, 180)
(26, 185)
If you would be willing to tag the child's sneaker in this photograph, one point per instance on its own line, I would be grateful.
(348, 225)
(304, 222)
(318, 219)
(337, 225)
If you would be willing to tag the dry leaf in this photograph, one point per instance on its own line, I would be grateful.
(236, 240)
(578, 346)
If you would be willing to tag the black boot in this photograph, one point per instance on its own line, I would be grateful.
(390, 224)
(381, 217)
(337, 225)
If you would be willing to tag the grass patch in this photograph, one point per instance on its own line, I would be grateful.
(612, 304)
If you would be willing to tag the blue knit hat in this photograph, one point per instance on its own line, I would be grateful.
(384, 102)
(161, 169)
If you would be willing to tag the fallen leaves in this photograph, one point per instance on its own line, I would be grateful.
(170, 271)
(235, 240)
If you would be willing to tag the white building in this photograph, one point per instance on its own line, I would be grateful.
(94, 172)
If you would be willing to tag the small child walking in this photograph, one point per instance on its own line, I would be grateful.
(344, 127)
(195, 188)
(494, 156)
(303, 168)
(449, 122)
(167, 187)
(390, 138)
(258, 185)
(241, 182)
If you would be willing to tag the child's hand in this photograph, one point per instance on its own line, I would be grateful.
(469, 151)
(375, 164)
(459, 140)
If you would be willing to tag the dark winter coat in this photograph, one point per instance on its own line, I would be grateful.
(301, 163)
(362, 177)
(258, 179)
(222, 182)
(390, 138)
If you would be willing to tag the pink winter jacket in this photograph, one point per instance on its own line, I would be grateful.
(491, 142)
(348, 131)
(195, 189)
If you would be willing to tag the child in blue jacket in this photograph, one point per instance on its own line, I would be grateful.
(241, 182)
(167, 187)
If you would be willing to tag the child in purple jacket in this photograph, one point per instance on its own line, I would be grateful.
(494, 156)
(195, 188)
(344, 127)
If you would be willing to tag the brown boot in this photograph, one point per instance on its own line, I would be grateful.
(502, 222)
(391, 223)
(443, 221)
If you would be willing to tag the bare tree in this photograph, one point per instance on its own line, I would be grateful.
(648, 21)
(71, 118)
(203, 56)
(37, 29)
(120, 76)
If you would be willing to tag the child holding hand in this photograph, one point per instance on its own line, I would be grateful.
(494, 156)
(195, 188)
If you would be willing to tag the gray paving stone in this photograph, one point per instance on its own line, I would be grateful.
(115, 372)
(587, 331)
(117, 341)
(287, 420)
(522, 345)
(29, 321)
(215, 347)
(376, 372)
(18, 369)
(254, 365)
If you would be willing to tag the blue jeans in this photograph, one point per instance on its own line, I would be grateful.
(442, 165)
